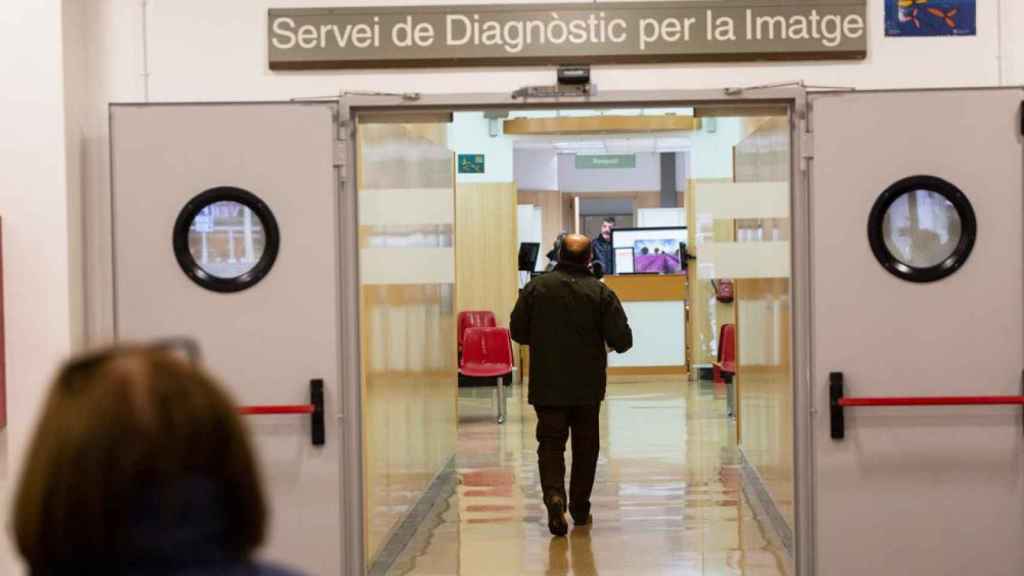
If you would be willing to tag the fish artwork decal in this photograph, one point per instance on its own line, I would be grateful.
(930, 18)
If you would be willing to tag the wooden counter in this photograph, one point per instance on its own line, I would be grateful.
(648, 287)
(656, 307)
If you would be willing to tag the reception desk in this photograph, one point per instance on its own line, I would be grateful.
(656, 307)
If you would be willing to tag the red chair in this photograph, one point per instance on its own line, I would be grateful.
(487, 353)
(725, 368)
(473, 319)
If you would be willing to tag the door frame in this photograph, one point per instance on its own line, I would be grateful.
(351, 107)
(348, 108)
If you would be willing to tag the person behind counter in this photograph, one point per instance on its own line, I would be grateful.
(604, 252)
(569, 319)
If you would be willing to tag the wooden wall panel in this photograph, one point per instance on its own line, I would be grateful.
(649, 288)
(486, 248)
(601, 124)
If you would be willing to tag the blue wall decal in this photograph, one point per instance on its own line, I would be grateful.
(930, 18)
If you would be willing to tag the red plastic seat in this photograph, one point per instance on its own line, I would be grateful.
(486, 352)
(725, 368)
(473, 319)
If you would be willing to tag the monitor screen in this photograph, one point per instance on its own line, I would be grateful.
(528, 252)
(654, 250)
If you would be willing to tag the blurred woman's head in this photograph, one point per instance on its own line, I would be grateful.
(137, 453)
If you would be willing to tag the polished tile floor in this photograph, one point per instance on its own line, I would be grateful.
(668, 497)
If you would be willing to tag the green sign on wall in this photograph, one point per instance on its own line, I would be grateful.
(599, 161)
(471, 163)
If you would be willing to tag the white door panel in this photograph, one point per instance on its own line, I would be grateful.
(266, 342)
(924, 490)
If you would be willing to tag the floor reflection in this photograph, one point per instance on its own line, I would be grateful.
(668, 498)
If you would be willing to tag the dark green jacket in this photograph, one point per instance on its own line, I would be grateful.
(567, 317)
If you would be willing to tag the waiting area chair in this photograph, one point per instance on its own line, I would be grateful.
(473, 319)
(724, 370)
(487, 353)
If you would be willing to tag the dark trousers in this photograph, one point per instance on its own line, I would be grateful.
(554, 425)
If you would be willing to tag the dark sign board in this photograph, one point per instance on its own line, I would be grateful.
(612, 32)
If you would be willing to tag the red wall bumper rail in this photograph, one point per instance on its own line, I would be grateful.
(315, 409)
(838, 401)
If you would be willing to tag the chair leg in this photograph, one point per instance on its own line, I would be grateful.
(501, 400)
(730, 396)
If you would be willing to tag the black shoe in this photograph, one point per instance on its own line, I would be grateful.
(556, 516)
(581, 518)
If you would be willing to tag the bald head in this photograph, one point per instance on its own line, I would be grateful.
(576, 249)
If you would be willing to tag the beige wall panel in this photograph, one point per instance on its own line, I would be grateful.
(407, 323)
(486, 248)
(764, 372)
(744, 200)
(705, 323)
(406, 266)
(764, 155)
(743, 260)
(406, 206)
(764, 375)
(646, 200)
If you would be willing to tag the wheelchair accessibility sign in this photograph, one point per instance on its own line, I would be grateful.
(471, 163)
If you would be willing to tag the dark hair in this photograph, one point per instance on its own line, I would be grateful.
(123, 427)
(609, 219)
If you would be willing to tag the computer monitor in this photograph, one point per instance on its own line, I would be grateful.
(659, 250)
(528, 253)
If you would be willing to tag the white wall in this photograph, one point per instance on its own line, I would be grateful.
(224, 57)
(76, 114)
(712, 151)
(536, 169)
(469, 133)
(33, 206)
(1012, 14)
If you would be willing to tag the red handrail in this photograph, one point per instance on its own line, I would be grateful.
(838, 400)
(934, 401)
(315, 409)
(278, 409)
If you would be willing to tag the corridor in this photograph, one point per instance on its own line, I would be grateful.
(668, 497)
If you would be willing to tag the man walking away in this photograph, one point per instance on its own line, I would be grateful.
(569, 319)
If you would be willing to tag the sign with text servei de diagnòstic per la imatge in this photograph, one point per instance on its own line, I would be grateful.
(613, 32)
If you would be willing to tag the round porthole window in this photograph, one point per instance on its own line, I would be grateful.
(922, 229)
(226, 239)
